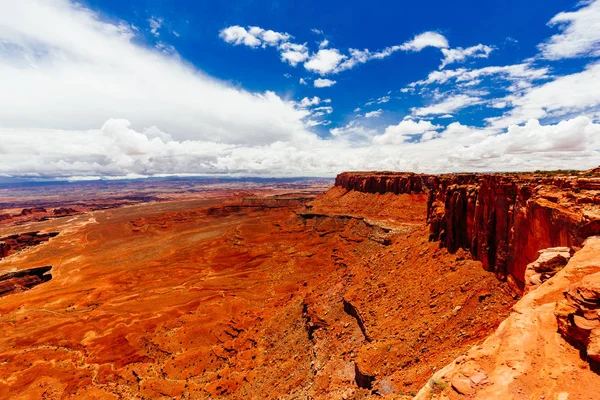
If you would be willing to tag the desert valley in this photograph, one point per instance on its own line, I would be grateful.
(382, 285)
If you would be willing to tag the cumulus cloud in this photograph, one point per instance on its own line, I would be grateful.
(293, 53)
(307, 101)
(239, 35)
(324, 61)
(404, 131)
(327, 60)
(322, 83)
(353, 131)
(580, 33)
(426, 39)
(568, 139)
(459, 54)
(254, 36)
(374, 114)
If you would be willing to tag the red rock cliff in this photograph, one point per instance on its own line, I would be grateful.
(502, 219)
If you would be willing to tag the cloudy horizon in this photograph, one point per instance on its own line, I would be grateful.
(91, 91)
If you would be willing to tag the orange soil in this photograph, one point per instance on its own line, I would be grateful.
(243, 299)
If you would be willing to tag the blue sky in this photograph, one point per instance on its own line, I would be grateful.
(193, 27)
(142, 88)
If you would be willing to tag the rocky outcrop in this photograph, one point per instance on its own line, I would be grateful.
(363, 380)
(501, 219)
(578, 315)
(64, 211)
(18, 281)
(527, 357)
(13, 243)
(33, 210)
(548, 263)
(351, 310)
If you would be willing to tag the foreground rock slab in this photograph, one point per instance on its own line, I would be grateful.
(527, 358)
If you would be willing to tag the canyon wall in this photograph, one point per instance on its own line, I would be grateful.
(501, 219)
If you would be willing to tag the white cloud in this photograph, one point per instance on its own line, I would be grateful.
(239, 35)
(269, 37)
(325, 109)
(165, 48)
(155, 24)
(519, 72)
(447, 106)
(307, 101)
(580, 33)
(118, 108)
(330, 60)
(381, 100)
(577, 137)
(323, 83)
(459, 54)
(324, 61)
(254, 36)
(312, 123)
(293, 53)
(564, 96)
(426, 39)
(374, 114)
(353, 131)
(418, 43)
(302, 81)
(67, 69)
(403, 131)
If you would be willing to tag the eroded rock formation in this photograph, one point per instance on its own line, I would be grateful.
(18, 281)
(502, 220)
(33, 210)
(548, 263)
(578, 315)
(14, 243)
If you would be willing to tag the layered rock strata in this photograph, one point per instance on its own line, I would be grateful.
(14, 243)
(502, 220)
(578, 315)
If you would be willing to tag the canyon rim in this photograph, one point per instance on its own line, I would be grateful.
(393, 285)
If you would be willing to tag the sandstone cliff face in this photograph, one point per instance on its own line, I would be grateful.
(502, 220)
(384, 182)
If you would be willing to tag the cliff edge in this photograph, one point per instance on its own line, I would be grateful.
(503, 220)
